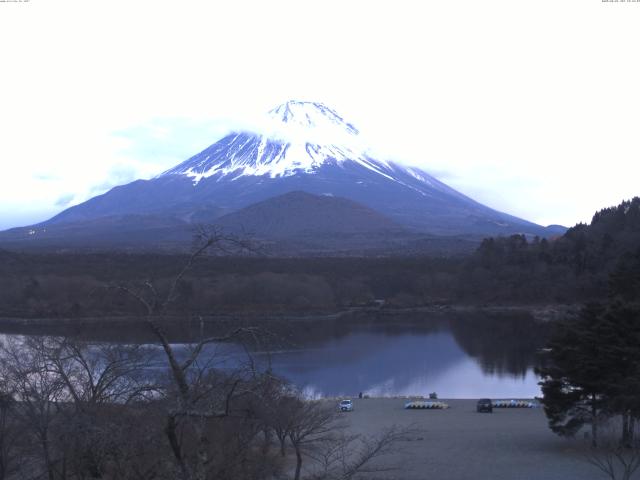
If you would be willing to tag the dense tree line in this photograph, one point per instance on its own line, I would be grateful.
(68, 285)
(591, 365)
(591, 373)
(572, 268)
(593, 370)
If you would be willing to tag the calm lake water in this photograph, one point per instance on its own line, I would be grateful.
(457, 356)
(379, 364)
(466, 356)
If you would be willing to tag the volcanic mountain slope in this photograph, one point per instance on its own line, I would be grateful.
(301, 223)
(296, 214)
(296, 223)
(307, 147)
(115, 232)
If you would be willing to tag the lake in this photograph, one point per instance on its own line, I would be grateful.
(454, 355)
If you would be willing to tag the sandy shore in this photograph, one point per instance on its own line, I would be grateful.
(460, 444)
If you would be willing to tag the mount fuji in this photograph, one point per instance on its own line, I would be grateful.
(305, 147)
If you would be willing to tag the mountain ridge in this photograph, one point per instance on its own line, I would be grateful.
(311, 149)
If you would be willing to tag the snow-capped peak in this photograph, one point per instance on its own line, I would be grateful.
(310, 115)
(298, 137)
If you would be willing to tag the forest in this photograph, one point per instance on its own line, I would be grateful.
(515, 270)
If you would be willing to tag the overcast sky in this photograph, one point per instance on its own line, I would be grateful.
(531, 107)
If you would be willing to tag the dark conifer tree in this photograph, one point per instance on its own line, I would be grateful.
(573, 377)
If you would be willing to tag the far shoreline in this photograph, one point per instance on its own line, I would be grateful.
(542, 313)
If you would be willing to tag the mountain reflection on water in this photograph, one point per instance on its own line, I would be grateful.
(456, 355)
(463, 357)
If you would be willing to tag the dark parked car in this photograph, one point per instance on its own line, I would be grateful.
(485, 405)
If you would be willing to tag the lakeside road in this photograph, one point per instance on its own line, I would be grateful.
(460, 444)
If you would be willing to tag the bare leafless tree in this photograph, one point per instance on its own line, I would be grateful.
(310, 423)
(202, 395)
(99, 380)
(343, 456)
(189, 374)
(616, 459)
(70, 397)
(25, 369)
(100, 373)
(9, 434)
(320, 434)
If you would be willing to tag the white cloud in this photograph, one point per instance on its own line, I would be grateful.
(530, 107)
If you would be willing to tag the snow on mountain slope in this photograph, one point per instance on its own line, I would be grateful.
(314, 115)
(303, 137)
(307, 147)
